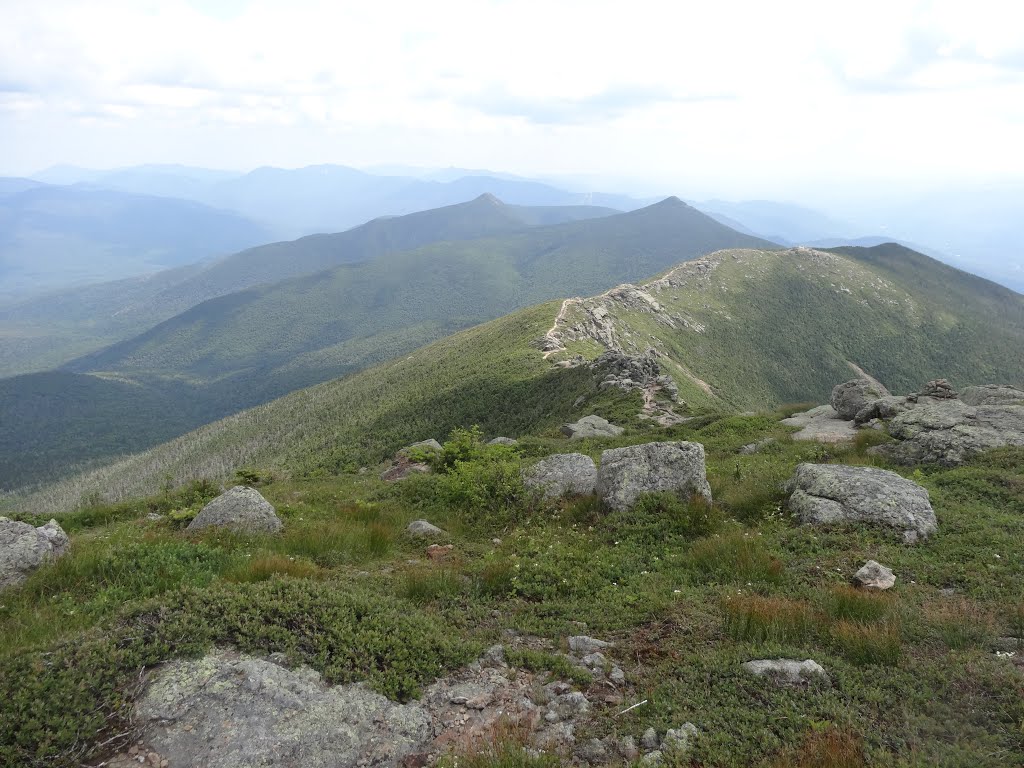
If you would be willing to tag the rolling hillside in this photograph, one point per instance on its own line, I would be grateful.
(251, 346)
(51, 330)
(737, 329)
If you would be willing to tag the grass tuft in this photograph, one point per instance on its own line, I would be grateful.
(868, 643)
(750, 618)
(735, 557)
(828, 747)
(847, 603)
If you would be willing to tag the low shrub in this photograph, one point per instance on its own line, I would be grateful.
(669, 513)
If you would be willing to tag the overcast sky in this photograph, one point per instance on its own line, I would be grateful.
(729, 98)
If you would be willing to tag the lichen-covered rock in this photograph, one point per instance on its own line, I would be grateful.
(241, 508)
(851, 396)
(949, 432)
(430, 445)
(873, 575)
(993, 394)
(227, 710)
(423, 528)
(561, 474)
(836, 493)
(883, 408)
(822, 425)
(24, 548)
(787, 671)
(627, 473)
(503, 441)
(591, 426)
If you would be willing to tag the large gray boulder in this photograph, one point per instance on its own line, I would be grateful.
(590, 426)
(836, 493)
(851, 396)
(561, 474)
(241, 508)
(993, 394)
(626, 473)
(24, 548)
(949, 432)
(227, 710)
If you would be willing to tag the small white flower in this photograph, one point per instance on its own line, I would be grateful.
(677, 591)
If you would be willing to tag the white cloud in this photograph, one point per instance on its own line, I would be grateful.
(683, 92)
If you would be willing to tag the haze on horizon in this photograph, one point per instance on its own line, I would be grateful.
(729, 99)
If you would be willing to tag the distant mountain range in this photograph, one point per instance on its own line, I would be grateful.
(52, 237)
(248, 346)
(740, 328)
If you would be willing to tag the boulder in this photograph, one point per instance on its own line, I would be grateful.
(875, 576)
(561, 474)
(583, 644)
(787, 671)
(836, 493)
(590, 426)
(227, 710)
(423, 528)
(851, 396)
(993, 394)
(241, 508)
(431, 445)
(503, 441)
(626, 473)
(24, 548)
(882, 408)
(821, 425)
(949, 432)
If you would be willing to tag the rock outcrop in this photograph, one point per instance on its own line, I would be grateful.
(241, 508)
(591, 426)
(821, 425)
(851, 396)
(561, 474)
(993, 394)
(233, 709)
(24, 548)
(949, 432)
(626, 473)
(836, 493)
(503, 441)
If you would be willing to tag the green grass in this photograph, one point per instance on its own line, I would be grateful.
(685, 592)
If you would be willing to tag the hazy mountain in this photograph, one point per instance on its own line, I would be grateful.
(57, 236)
(54, 328)
(250, 346)
(780, 222)
(739, 328)
(329, 198)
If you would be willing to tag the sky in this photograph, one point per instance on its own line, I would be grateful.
(735, 99)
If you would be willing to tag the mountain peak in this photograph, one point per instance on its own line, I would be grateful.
(488, 198)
